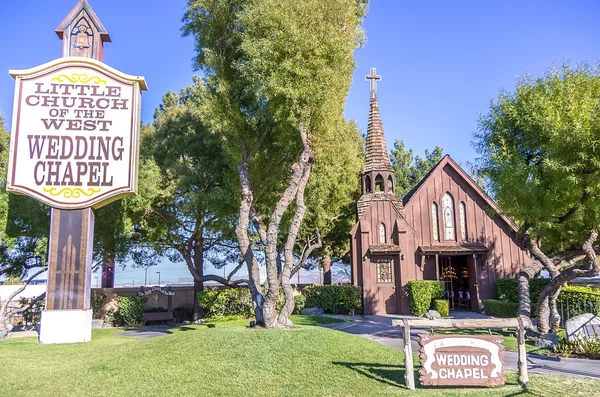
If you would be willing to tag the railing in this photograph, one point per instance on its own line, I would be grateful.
(571, 304)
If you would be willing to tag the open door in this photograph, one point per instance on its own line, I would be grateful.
(473, 269)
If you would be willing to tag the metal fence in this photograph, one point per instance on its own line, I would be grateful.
(571, 304)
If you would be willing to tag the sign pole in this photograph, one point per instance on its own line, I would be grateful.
(68, 316)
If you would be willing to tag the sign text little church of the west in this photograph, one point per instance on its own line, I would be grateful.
(75, 133)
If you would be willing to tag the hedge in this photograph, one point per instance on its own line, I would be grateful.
(334, 299)
(498, 308)
(238, 302)
(421, 293)
(227, 302)
(131, 308)
(508, 290)
(442, 306)
(578, 300)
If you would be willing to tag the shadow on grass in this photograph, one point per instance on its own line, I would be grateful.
(392, 375)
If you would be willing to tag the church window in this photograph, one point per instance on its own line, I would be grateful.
(448, 214)
(368, 184)
(434, 221)
(379, 184)
(463, 220)
(384, 271)
(390, 184)
(382, 233)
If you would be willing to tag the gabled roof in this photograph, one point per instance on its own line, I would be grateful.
(376, 157)
(82, 5)
(447, 161)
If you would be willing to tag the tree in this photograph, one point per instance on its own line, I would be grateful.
(331, 196)
(277, 74)
(410, 170)
(23, 241)
(186, 208)
(539, 155)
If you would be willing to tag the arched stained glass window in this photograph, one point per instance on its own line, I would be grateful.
(382, 233)
(463, 220)
(448, 214)
(434, 221)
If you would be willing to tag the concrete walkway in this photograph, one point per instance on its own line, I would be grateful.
(379, 328)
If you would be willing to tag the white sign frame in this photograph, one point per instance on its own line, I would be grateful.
(22, 177)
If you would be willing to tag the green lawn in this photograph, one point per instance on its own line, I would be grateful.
(228, 359)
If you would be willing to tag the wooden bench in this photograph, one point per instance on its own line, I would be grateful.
(159, 316)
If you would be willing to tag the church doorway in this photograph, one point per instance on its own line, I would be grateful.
(458, 272)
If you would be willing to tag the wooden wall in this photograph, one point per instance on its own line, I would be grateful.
(505, 257)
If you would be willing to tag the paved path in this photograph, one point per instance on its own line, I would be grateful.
(379, 328)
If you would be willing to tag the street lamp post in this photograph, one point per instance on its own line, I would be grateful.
(158, 278)
(146, 278)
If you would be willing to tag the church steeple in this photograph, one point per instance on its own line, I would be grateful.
(378, 174)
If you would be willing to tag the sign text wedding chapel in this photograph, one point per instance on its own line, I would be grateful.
(76, 137)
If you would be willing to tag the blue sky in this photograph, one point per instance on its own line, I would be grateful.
(441, 61)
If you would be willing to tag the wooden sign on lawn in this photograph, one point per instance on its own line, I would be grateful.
(461, 360)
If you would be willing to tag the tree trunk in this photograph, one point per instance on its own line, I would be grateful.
(198, 285)
(295, 189)
(326, 262)
(524, 298)
(246, 251)
(547, 316)
(288, 268)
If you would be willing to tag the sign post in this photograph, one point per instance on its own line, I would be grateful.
(74, 147)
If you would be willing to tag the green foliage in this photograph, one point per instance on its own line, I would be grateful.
(299, 303)
(334, 299)
(13, 280)
(584, 346)
(32, 316)
(183, 313)
(227, 302)
(508, 290)
(497, 308)
(538, 154)
(131, 308)
(421, 293)
(578, 300)
(408, 169)
(442, 306)
(97, 303)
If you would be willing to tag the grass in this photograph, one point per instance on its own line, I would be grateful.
(509, 337)
(229, 359)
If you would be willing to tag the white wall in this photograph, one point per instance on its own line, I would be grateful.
(31, 291)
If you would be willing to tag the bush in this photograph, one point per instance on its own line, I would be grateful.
(421, 293)
(227, 302)
(578, 300)
(183, 313)
(131, 308)
(98, 302)
(334, 299)
(508, 290)
(442, 307)
(299, 303)
(497, 308)
(587, 347)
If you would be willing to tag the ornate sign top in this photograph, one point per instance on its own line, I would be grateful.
(450, 360)
(75, 133)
